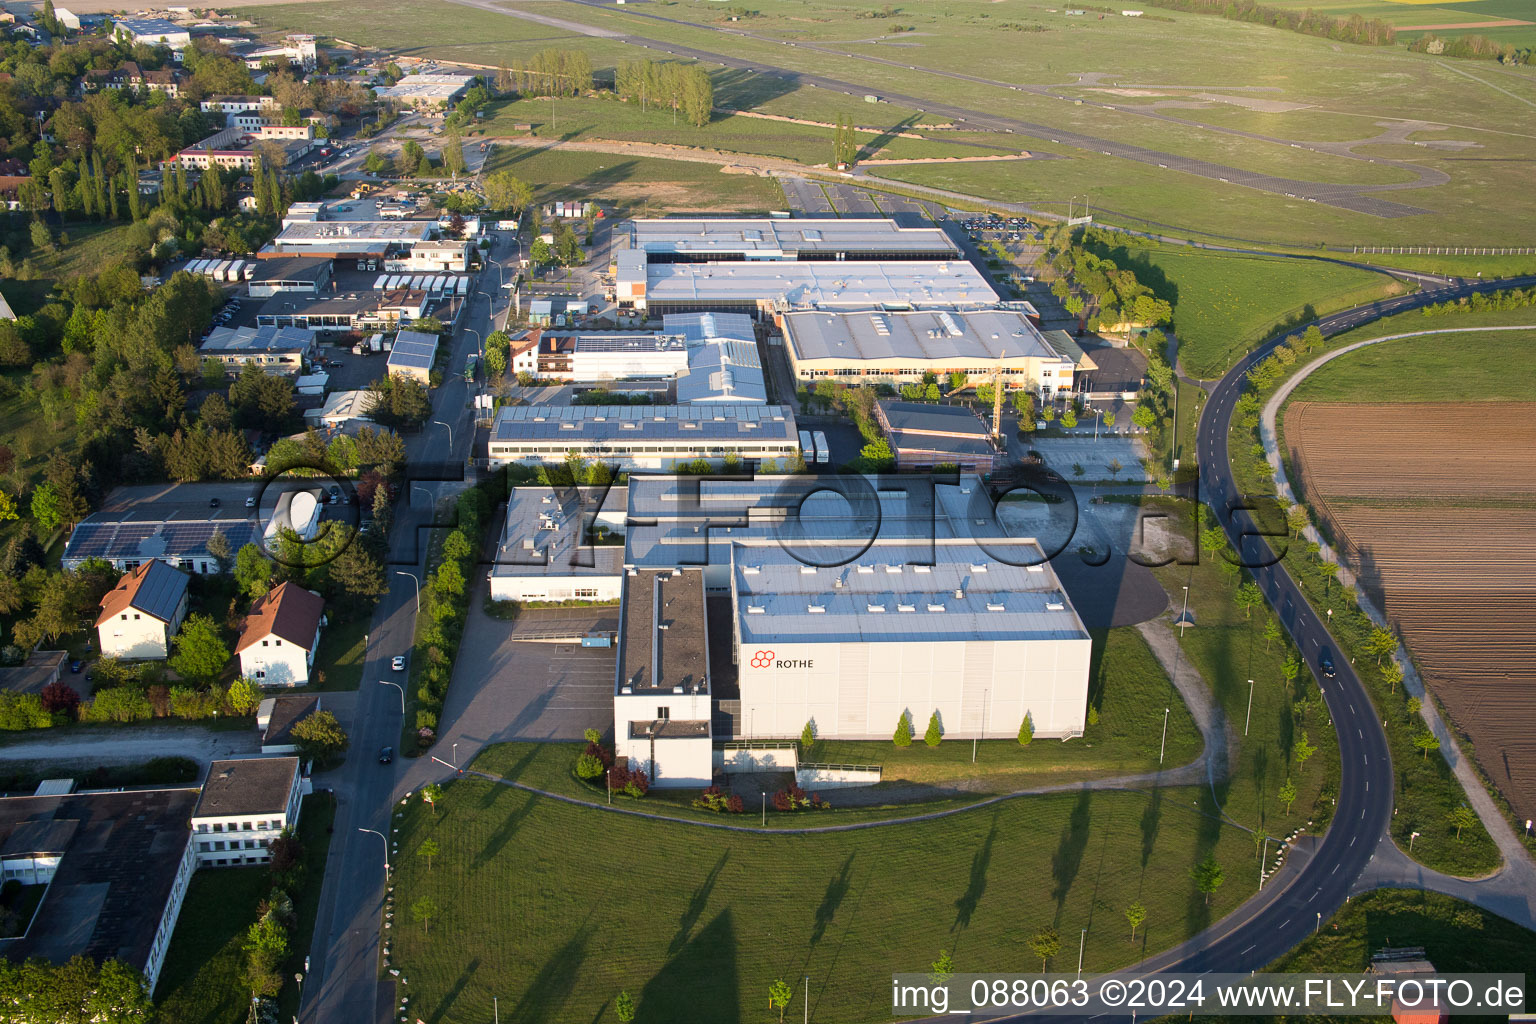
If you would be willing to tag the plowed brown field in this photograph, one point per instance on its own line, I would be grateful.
(1434, 507)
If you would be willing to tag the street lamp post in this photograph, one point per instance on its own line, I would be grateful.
(1249, 716)
(1411, 837)
(1263, 858)
(1164, 748)
(455, 755)
(415, 580)
(448, 428)
(386, 847)
(1184, 615)
(388, 682)
(1081, 940)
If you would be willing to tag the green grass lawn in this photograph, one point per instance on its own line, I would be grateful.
(637, 185)
(1225, 303)
(1456, 936)
(340, 656)
(524, 917)
(203, 978)
(1228, 648)
(1473, 367)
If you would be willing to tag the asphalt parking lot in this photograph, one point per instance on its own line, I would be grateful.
(807, 198)
(507, 689)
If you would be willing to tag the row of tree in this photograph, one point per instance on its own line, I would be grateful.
(685, 88)
(445, 601)
(1353, 29)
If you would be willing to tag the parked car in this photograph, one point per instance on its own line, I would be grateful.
(213, 502)
(398, 663)
(76, 665)
(250, 501)
(386, 755)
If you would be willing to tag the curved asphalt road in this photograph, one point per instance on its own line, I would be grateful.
(1284, 914)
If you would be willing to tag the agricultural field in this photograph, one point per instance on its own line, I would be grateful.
(1464, 610)
(1505, 21)
(1433, 368)
(556, 940)
(637, 185)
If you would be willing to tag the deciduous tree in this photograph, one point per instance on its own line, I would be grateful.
(1136, 914)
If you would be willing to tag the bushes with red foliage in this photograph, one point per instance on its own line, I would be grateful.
(58, 696)
(796, 799)
(634, 783)
(718, 800)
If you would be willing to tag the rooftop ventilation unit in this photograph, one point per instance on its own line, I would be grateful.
(935, 607)
(816, 609)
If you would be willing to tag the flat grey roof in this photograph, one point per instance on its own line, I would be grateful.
(663, 645)
(849, 283)
(984, 335)
(317, 232)
(889, 594)
(697, 328)
(921, 418)
(683, 520)
(543, 535)
(253, 785)
(771, 237)
(587, 423)
(265, 339)
(293, 268)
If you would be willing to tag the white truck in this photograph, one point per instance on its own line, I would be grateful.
(807, 447)
(823, 452)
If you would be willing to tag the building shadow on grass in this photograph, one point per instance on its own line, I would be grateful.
(699, 983)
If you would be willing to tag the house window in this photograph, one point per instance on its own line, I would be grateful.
(263, 825)
(135, 615)
(203, 827)
(247, 826)
(665, 714)
(277, 643)
(125, 616)
(218, 826)
(263, 643)
(261, 673)
(205, 847)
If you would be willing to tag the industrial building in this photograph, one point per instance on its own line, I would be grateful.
(274, 349)
(234, 148)
(723, 371)
(925, 436)
(661, 704)
(719, 240)
(850, 610)
(353, 311)
(307, 275)
(643, 437)
(561, 544)
(151, 32)
(347, 238)
(773, 287)
(891, 346)
(412, 355)
(590, 358)
(426, 90)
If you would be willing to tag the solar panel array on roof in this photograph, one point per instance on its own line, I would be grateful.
(413, 349)
(598, 422)
(697, 328)
(161, 591)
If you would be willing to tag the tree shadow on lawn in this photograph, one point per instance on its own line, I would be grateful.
(981, 860)
(699, 983)
(547, 993)
(837, 890)
(1068, 857)
(455, 990)
(512, 774)
(696, 904)
(740, 89)
(1151, 823)
(507, 829)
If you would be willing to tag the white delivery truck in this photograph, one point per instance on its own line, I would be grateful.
(823, 454)
(807, 447)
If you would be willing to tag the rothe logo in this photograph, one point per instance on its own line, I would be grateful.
(762, 659)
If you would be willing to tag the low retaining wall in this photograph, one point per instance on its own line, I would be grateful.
(735, 760)
(813, 777)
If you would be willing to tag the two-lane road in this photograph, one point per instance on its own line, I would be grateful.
(343, 985)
